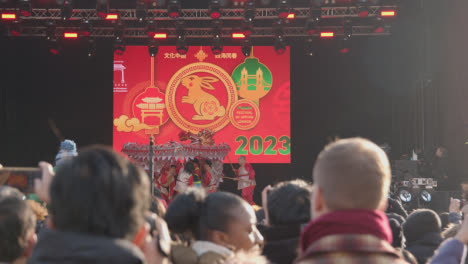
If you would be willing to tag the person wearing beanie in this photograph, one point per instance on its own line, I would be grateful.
(422, 232)
(67, 150)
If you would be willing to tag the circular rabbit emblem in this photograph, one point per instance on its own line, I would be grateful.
(199, 97)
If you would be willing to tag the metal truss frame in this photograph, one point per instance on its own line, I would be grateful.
(203, 14)
(262, 32)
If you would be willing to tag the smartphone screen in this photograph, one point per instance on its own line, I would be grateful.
(21, 178)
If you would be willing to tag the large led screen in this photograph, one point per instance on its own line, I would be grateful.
(244, 100)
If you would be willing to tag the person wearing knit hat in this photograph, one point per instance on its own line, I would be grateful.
(422, 232)
(67, 150)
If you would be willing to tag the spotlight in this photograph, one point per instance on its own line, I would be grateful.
(247, 27)
(119, 30)
(181, 45)
(86, 28)
(347, 29)
(291, 15)
(362, 8)
(54, 46)
(8, 16)
(152, 48)
(249, 10)
(25, 7)
(102, 8)
(141, 10)
(112, 16)
(426, 196)
(247, 47)
(67, 9)
(215, 9)
(405, 195)
(379, 26)
(344, 45)
(119, 47)
(312, 27)
(387, 13)
(150, 28)
(238, 35)
(283, 9)
(160, 35)
(70, 35)
(91, 48)
(280, 45)
(310, 47)
(50, 30)
(173, 8)
(15, 28)
(327, 34)
(216, 45)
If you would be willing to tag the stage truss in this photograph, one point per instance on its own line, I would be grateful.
(197, 22)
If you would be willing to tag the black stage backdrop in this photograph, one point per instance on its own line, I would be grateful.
(408, 89)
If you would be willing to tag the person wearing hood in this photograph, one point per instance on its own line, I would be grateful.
(422, 230)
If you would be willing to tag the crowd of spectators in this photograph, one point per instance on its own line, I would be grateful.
(96, 207)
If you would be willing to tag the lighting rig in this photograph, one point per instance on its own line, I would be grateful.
(222, 22)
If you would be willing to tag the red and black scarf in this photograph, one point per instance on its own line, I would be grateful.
(364, 222)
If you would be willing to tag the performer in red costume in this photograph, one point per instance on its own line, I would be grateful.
(208, 181)
(167, 183)
(246, 178)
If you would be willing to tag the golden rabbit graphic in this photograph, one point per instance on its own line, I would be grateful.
(206, 105)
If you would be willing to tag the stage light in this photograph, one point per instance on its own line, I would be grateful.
(70, 35)
(362, 8)
(310, 48)
(151, 28)
(119, 30)
(214, 9)
(54, 46)
(181, 45)
(247, 27)
(152, 48)
(387, 13)
(247, 47)
(8, 16)
(249, 10)
(280, 45)
(291, 16)
(216, 45)
(344, 45)
(327, 34)
(312, 27)
(379, 26)
(119, 47)
(86, 28)
(141, 10)
(102, 8)
(112, 16)
(426, 196)
(91, 48)
(347, 29)
(278, 28)
(25, 7)
(67, 9)
(15, 28)
(405, 195)
(283, 9)
(50, 30)
(238, 35)
(173, 9)
(160, 35)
